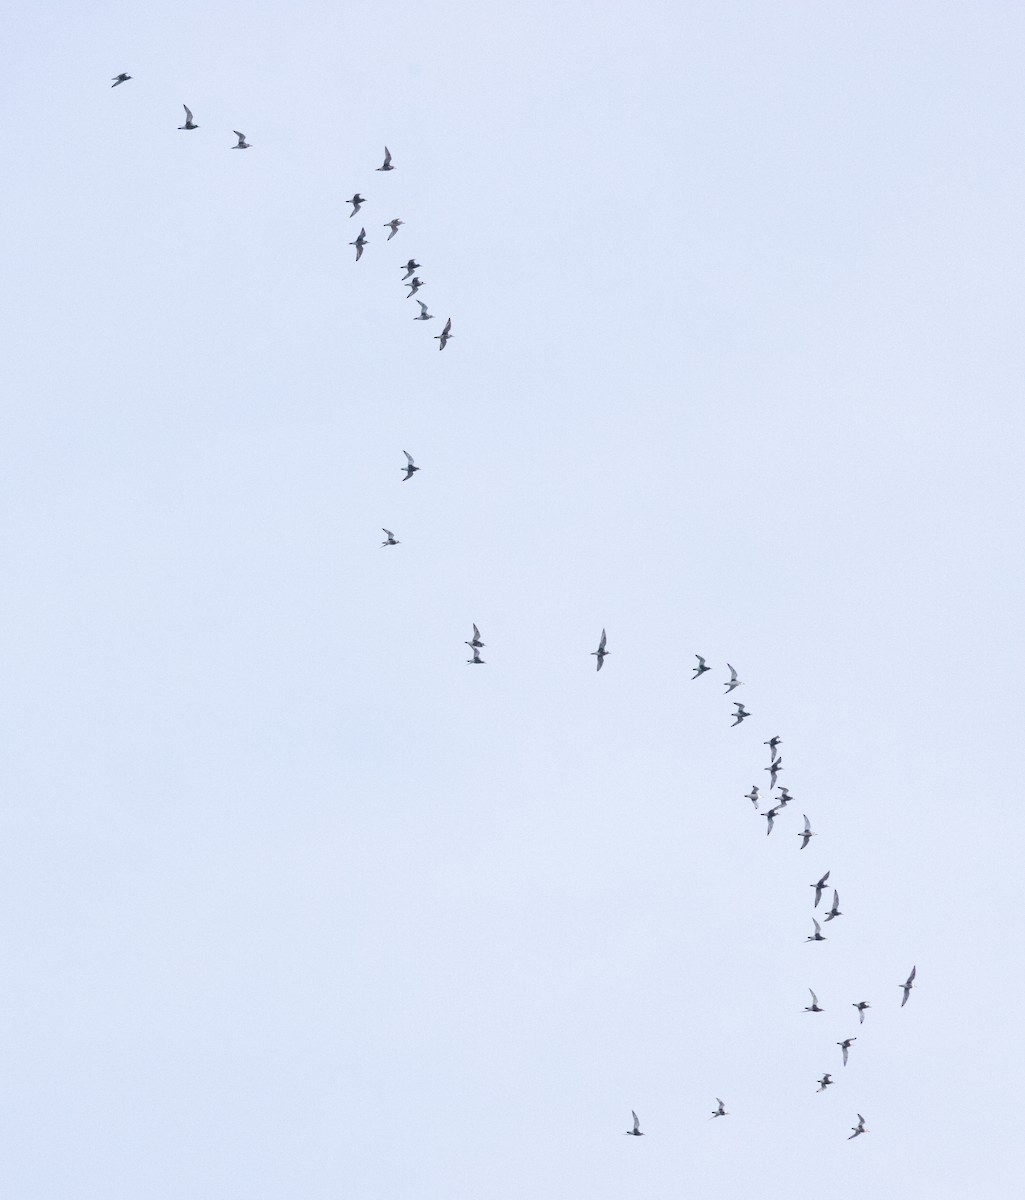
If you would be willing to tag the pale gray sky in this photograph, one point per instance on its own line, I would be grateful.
(297, 905)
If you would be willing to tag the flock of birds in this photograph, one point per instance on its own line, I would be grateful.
(740, 714)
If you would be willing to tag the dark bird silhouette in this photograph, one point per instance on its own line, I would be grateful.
(476, 644)
(770, 816)
(242, 143)
(189, 123)
(817, 935)
(774, 769)
(740, 714)
(424, 314)
(818, 888)
(861, 1005)
(824, 1082)
(601, 652)
(359, 243)
(734, 681)
(907, 985)
(387, 161)
(477, 660)
(845, 1045)
(409, 268)
(392, 539)
(772, 743)
(415, 284)
(859, 1128)
(393, 226)
(409, 468)
(752, 795)
(814, 1006)
(446, 333)
(700, 669)
(636, 1131)
(720, 1111)
(835, 910)
(357, 203)
(807, 835)
(122, 78)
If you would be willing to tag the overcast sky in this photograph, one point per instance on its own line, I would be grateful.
(296, 904)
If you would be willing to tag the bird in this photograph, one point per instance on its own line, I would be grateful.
(720, 1111)
(818, 888)
(859, 1128)
(824, 1082)
(387, 161)
(189, 123)
(392, 539)
(122, 78)
(700, 669)
(409, 468)
(357, 203)
(752, 795)
(807, 835)
(817, 935)
(409, 268)
(601, 651)
(415, 284)
(476, 644)
(784, 797)
(636, 1131)
(359, 243)
(740, 714)
(814, 1006)
(835, 910)
(861, 1005)
(772, 743)
(424, 314)
(774, 769)
(845, 1045)
(770, 816)
(242, 143)
(446, 333)
(907, 985)
(393, 226)
(476, 657)
(734, 681)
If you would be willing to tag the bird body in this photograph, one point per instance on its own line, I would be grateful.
(118, 79)
(409, 468)
(835, 910)
(476, 644)
(740, 715)
(242, 143)
(720, 1111)
(817, 935)
(409, 268)
(189, 123)
(700, 669)
(387, 161)
(636, 1131)
(814, 1006)
(424, 314)
(392, 540)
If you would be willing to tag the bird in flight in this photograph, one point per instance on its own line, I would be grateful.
(752, 795)
(814, 1006)
(774, 769)
(740, 714)
(357, 203)
(415, 284)
(122, 78)
(409, 468)
(476, 644)
(770, 816)
(387, 161)
(424, 314)
(734, 681)
(861, 1006)
(784, 797)
(189, 123)
(409, 268)
(818, 888)
(242, 143)
(392, 225)
(907, 985)
(772, 743)
(636, 1131)
(601, 651)
(446, 333)
(700, 669)
(817, 935)
(859, 1128)
(392, 539)
(835, 910)
(359, 243)
(476, 657)
(807, 835)
(845, 1045)
(824, 1082)
(720, 1111)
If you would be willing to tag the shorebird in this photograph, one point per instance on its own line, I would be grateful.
(818, 888)
(122, 78)
(774, 769)
(392, 539)
(859, 1128)
(835, 910)
(415, 284)
(734, 681)
(784, 796)
(907, 985)
(817, 935)
(357, 203)
(720, 1111)
(807, 835)
(845, 1045)
(359, 243)
(700, 669)
(476, 644)
(770, 816)
(861, 1006)
(409, 468)
(393, 226)
(772, 743)
(740, 714)
(476, 657)
(814, 1006)
(601, 651)
(242, 143)
(636, 1131)
(824, 1082)
(189, 124)
(387, 161)
(424, 314)
(752, 795)
(446, 333)
(409, 268)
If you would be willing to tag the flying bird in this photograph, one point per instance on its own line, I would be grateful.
(770, 816)
(807, 835)
(734, 681)
(818, 888)
(424, 314)
(242, 143)
(835, 910)
(774, 769)
(359, 243)
(409, 268)
(392, 225)
(601, 651)
(824, 1082)
(720, 1111)
(784, 797)
(476, 657)
(392, 539)
(859, 1128)
(410, 469)
(357, 203)
(387, 161)
(845, 1045)
(907, 985)
(446, 333)
(189, 124)
(814, 1006)
(476, 644)
(636, 1131)
(772, 743)
(700, 669)
(817, 935)
(752, 795)
(122, 78)
(415, 284)
(740, 714)
(861, 1006)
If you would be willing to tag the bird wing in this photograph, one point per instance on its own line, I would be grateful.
(814, 998)
(807, 824)
(476, 631)
(733, 673)
(911, 977)
(241, 136)
(448, 326)
(387, 531)
(408, 456)
(188, 113)
(601, 644)
(701, 661)
(818, 927)
(637, 1120)
(387, 156)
